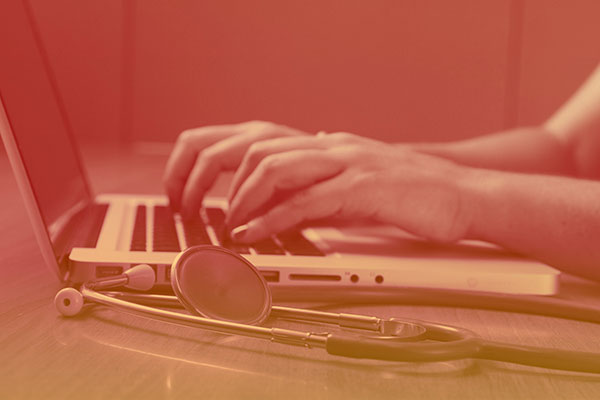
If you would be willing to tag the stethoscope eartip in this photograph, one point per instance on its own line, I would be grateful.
(68, 302)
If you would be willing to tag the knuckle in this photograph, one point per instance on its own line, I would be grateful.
(270, 164)
(264, 124)
(202, 165)
(360, 181)
(258, 125)
(207, 157)
(256, 151)
(264, 130)
(348, 152)
(359, 152)
(186, 136)
(300, 200)
(253, 122)
(341, 137)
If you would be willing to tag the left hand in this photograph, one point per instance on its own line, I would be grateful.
(285, 181)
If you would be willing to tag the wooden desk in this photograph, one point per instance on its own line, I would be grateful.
(106, 354)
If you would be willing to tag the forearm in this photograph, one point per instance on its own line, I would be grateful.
(532, 150)
(553, 219)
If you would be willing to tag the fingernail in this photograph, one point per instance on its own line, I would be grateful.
(237, 234)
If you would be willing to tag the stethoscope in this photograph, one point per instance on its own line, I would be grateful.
(225, 293)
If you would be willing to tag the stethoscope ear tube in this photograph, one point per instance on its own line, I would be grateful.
(364, 347)
(566, 360)
(468, 347)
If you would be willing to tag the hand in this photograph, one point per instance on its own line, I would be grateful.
(285, 181)
(201, 154)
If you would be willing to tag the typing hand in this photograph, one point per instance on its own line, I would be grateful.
(285, 181)
(200, 154)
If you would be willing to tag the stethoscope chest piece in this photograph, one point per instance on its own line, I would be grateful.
(214, 282)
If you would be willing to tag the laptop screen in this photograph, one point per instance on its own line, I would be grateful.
(38, 120)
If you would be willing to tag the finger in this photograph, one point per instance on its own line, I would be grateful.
(288, 171)
(183, 157)
(259, 150)
(322, 200)
(225, 155)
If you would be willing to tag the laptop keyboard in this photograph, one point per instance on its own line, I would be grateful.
(196, 232)
(164, 232)
(216, 219)
(138, 239)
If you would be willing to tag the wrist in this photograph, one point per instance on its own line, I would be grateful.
(437, 149)
(481, 201)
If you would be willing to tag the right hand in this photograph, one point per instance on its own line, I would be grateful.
(201, 154)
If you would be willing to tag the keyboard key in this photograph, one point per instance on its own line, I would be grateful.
(216, 219)
(165, 234)
(195, 232)
(268, 246)
(236, 247)
(138, 239)
(296, 244)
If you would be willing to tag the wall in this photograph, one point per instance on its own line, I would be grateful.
(398, 70)
(84, 43)
(561, 47)
(395, 70)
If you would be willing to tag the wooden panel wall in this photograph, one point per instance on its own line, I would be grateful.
(83, 39)
(396, 70)
(391, 69)
(561, 47)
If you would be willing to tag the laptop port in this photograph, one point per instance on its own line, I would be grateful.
(102, 271)
(315, 277)
(167, 273)
(270, 276)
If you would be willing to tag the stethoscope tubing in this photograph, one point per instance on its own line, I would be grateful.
(343, 320)
(470, 347)
(274, 334)
(548, 306)
(451, 343)
(549, 358)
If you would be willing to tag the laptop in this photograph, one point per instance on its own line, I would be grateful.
(85, 236)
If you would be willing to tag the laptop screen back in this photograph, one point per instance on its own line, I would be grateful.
(37, 119)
